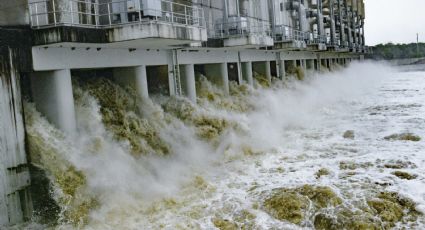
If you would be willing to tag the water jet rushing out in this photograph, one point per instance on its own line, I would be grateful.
(258, 158)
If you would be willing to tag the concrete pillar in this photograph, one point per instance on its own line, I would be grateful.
(188, 81)
(240, 77)
(135, 77)
(247, 73)
(319, 64)
(218, 73)
(52, 92)
(224, 77)
(282, 69)
(303, 64)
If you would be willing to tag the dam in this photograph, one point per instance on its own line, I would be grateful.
(153, 47)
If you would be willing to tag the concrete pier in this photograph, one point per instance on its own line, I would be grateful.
(52, 92)
(135, 77)
(268, 71)
(247, 73)
(188, 81)
(304, 64)
(15, 62)
(282, 69)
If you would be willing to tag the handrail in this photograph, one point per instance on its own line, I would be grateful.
(240, 27)
(284, 33)
(48, 13)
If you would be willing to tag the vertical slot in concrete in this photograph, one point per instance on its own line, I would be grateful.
(157, 78)
(134, 77)
(273, 69)
(233, 72)
(262, 71)
(218, 74)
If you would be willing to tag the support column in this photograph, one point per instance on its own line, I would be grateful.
(135, 77)
(268, 71)
(188, 81)
(247, 73)
(282, 69)
(224, 77)
(240, 77)
(319, 63)
(52, 92)
(304, 64)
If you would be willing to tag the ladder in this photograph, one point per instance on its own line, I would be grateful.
(176, 73)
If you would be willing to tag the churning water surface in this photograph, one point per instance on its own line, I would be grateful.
(337, 150)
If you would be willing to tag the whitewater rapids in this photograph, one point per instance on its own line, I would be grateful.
(169, 164)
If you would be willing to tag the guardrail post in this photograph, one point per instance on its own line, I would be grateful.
(139, 10)
(185, 14)
(54, 12)
(96, 15)
(109, 14)
(72, 13)
(47, 13)
(36, 14)
(172, 12)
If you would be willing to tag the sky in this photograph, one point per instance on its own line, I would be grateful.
(395, 21)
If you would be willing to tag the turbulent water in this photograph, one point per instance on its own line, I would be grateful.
(336, 150)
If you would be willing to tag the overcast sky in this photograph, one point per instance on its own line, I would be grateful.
(395, 21)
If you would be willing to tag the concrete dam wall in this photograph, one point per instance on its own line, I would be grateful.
(15, 201)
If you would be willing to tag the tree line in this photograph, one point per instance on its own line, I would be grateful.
(397, 51)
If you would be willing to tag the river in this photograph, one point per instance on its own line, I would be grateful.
(338, 150)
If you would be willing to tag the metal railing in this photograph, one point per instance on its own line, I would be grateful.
(284, 33)
(89, 13)
(287, 34)
(317, 39)
(240, 27)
